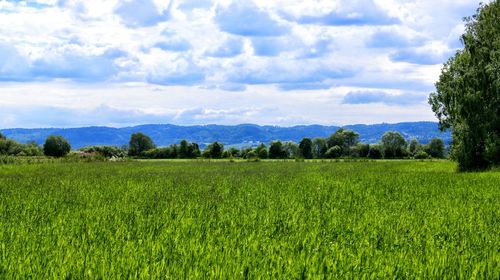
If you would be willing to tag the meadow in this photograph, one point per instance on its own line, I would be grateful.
(248, 220)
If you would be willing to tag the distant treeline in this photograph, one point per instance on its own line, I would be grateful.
(344, 143)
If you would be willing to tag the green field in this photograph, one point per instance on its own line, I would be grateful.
(288, 220)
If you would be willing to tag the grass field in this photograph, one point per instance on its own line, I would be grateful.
(287, 220)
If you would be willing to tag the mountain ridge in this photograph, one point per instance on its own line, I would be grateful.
(166, 134)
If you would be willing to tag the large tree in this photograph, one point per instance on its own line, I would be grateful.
(139, 143)
(56, 146)
(344, 138)
(305, 147)
(467, 97)
(393, 145)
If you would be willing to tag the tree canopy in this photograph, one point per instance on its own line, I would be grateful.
(139, 143)
(467, 97)
(56, 146)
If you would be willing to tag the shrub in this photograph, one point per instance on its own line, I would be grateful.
(375, 152)
(421, 155)
(334, 152)
(56, 146)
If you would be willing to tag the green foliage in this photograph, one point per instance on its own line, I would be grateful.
(161, 153)
(214, 150)
(276, 150)
(334, 152)
(414, 147)
(467, 97)
(56, 146)
(188, 150)
(435, 148)
(319, 147)
(230, 153)
(393, 145)
(139, 143)
(305, 147)
(261, 151)
(343, 138)
(251, 155)
(278, 220)
(421, 155)
(359, 150)
(291, 150)
(105, 151)
(375, 152)
(2, 137)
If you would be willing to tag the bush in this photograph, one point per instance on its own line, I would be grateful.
(105, 151)
(334, 152)
(251, 155)
(56, 146)
(421, 155)
(375, 152)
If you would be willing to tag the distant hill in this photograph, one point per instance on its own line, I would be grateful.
(240, 135)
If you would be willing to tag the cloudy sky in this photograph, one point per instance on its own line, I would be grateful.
(66, 63)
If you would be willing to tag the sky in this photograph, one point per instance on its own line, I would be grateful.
(69, 63)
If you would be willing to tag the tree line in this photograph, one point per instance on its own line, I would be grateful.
(344, 143)
(467, 97)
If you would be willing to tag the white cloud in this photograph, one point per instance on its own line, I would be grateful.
(290, 50)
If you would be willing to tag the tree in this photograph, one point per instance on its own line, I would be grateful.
(291, 149)
(319, 147)
(414, 147)
(334, 152)
(56, 146)
(230, 153)
(305, 147)
(393, 145)
(467, 97)
(375, 152)
(276, 150)
(2, 137)
(139, 143)
(9, 147)
(214, 150)
(344, 138)
(261, 151)
(435, 148)
(359, 150)
(184, 149)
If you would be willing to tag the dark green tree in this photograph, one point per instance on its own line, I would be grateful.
(305, 147)
(393, 145)
(467, 97)
(276, 150)
(2, 137)
(214, 150)
(56, 146)
(344, 138)
(435, 148)
(414, 147)
(319, 147)
(139, 143)
(184, 151)
(375, 152)
(261, 151)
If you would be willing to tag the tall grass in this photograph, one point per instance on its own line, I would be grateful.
(241, 220)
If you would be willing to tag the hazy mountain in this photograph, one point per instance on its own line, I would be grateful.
(244, 134)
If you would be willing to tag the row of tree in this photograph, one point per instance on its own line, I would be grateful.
(55, 146)
(343, 143)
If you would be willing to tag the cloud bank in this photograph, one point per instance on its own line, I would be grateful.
(363, 53)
